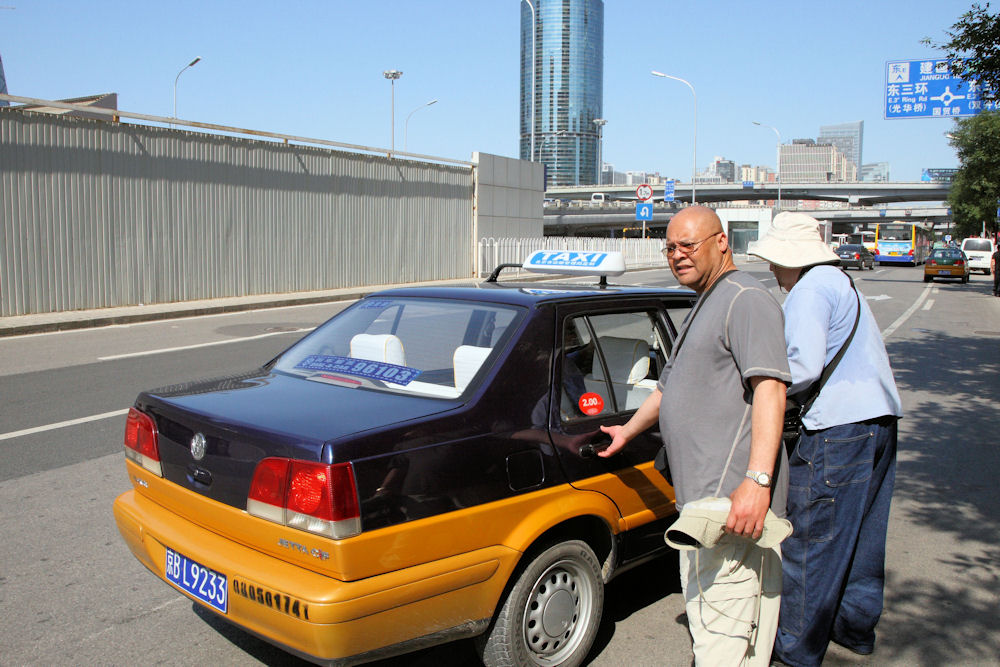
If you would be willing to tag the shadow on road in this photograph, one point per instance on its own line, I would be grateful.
(948, 484)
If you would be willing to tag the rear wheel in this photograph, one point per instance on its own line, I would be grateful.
(927, 279)
(551, 614)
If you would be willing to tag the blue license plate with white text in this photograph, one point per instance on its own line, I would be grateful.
(197, 580)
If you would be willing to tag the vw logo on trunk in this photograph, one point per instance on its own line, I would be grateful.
(198, 446)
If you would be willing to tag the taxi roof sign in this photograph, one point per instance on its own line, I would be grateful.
(576, 262)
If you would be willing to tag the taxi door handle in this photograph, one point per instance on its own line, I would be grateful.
(589, 450)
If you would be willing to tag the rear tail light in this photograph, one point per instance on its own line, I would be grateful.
(931, 262)
(857, 255)
(911, 252)
(317, 497)
(142, 441)
(959, 262)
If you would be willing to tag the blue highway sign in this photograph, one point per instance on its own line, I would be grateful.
(668, 191)
(927, 89)
(644, 211)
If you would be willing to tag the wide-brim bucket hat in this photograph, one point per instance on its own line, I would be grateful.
(793, 241)
(702, 523)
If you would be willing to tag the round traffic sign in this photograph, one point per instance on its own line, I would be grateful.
(644, 192)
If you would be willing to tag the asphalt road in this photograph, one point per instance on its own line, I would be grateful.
(71, 593)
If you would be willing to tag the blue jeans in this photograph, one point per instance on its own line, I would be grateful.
(833, 566)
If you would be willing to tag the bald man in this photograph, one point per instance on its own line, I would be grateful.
(720, 405)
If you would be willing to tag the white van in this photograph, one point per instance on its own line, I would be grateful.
(598, 198)
(979, 252)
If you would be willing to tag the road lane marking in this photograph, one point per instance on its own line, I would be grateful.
(71, 422)
(165, 350)
(905, 316)
(927, 306)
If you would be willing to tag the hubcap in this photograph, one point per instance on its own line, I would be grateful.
(557, 611)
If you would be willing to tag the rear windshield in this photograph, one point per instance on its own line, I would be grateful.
(946, 254)
(895, 232)
(977, 244)
(850, 248)
(430, 347)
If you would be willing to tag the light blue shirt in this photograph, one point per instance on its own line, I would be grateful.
(819, 314)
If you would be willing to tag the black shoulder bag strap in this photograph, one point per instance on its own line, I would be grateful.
(817, 386)
(697, 307)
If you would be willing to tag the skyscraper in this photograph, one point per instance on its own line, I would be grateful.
(847, 137)
(3, 85)
(568, 76)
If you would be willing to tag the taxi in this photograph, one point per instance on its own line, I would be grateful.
(421, 468)
(946, 263)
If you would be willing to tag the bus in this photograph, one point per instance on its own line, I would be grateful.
(901, 242)
(864, 237)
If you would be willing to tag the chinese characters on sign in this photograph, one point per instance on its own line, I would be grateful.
(927, 89)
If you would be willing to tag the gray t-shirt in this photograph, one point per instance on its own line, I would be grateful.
(734, 333)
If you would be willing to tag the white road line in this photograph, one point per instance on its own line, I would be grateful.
(929, 304)
(71, 422)
(197, 345)
(905, 316)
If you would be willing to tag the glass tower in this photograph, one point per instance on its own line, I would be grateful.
(847, 137)
(568, 76)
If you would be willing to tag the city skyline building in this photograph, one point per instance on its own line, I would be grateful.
(847, 137)
(806, 161)
(3, 85)
(568, 76)
(875, 172)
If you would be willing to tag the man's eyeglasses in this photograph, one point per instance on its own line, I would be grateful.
(689, 247)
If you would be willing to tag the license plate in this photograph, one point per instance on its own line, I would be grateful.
(195, 579)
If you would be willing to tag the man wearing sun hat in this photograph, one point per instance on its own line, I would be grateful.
(843, 465)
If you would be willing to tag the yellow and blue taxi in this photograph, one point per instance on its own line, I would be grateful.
(421, 468)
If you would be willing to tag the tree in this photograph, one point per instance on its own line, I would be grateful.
(974, 49)
(975, 191)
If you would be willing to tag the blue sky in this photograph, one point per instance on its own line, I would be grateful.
(312, 68)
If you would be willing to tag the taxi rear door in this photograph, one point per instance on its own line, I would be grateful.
(607, 362)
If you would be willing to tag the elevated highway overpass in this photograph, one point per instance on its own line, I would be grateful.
(618, 217)
(862, 194)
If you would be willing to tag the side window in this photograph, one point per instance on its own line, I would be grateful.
(610, 362)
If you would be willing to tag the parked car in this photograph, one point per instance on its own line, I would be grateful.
(420, 468)
(946, 263)
(979, 252)
(856, 255)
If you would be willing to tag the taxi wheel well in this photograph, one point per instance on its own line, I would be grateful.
(590, 529)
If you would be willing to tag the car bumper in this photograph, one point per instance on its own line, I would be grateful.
(945, 272)
(337, 622)
(851, 263)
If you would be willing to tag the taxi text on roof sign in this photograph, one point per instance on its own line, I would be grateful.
(576, 262)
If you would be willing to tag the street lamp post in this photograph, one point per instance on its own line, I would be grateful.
(190, 64)
(778, 164)
(392, 75)
(600, 123)
(531, 154)
(694, 167)
(406, 125)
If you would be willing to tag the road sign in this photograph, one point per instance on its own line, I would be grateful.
(668, 191)
(927, 89)
(748, 185)
(644, 192)
(644, 211)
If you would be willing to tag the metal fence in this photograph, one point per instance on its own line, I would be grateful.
(638, 253)
(97, 214)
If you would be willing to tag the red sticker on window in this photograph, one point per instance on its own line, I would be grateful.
(591, 403)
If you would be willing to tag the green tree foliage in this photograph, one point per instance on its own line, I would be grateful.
(974, 48)
(976, 189)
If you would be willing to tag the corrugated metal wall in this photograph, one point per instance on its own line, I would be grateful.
(98, 214)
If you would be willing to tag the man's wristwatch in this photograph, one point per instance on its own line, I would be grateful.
(762, 478)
